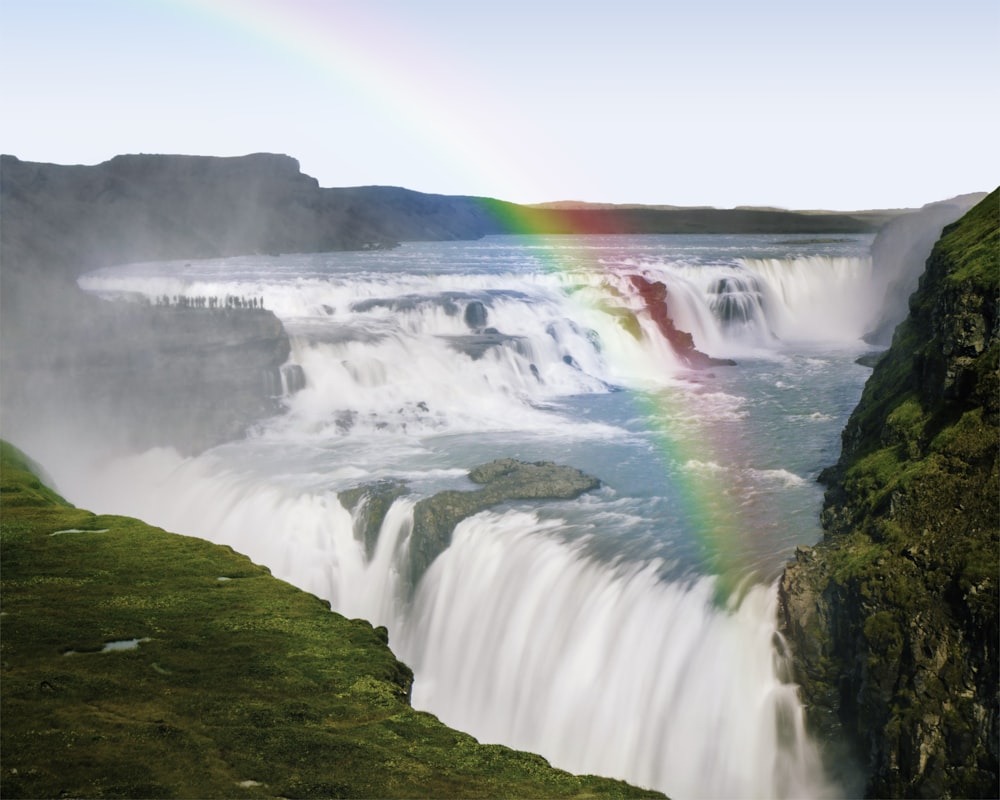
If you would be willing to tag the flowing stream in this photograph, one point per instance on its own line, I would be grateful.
(630, 632)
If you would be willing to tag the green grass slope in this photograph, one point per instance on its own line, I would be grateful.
(235, 685)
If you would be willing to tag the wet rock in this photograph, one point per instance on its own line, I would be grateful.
(893, 617)
(369, 504)
(476, 345)
(654, 295)
(435, 518)
(294, 378)
(476, 315)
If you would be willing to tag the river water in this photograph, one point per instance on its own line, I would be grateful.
(630, 632)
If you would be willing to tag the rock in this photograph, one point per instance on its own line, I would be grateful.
(654, 295)
(476, 315)
(893, 617)
(138, 376)
(369, 504)
(293, 378)
(435, 518)
(869, 359)
(476, 345)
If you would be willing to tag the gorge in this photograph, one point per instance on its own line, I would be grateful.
(447, 364)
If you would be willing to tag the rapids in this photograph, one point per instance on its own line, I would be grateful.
(630, 632)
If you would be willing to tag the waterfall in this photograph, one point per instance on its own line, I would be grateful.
(816, 298)
(521, 637)
(589, 631)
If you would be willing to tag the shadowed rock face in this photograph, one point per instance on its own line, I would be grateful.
(369, 504)
(893, 616)
(435, 518)
(136, 376)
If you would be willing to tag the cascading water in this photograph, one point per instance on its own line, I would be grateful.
(606, 667)
(817, 298)
(587, 630)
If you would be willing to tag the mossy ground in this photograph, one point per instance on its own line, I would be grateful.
(908, 571)
(240, 685)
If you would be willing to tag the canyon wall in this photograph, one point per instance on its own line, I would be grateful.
(893, 615)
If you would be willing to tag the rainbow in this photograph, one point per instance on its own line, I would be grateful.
(335, 39)
(368, 57)
(707, 506)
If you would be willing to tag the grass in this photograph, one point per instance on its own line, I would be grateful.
(909, 563)
(240, 686)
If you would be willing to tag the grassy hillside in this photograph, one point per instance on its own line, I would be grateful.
(141, 663)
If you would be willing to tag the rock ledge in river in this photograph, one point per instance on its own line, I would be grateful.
(435, 518)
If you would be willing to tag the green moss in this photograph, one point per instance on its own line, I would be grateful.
(972, 246)
(884, 634)
(19, 481)
(853, 557)
(245, 687)
(910, 562)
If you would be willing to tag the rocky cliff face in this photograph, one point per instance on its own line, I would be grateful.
(65, 357)
(893, 616)
(151, 207)
(128, 377)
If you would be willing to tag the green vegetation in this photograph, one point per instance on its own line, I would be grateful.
(898, 606)
(232, 683)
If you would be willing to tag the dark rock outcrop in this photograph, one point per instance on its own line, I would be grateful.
(893, 616)
(435, 518)
(476, 315)
(654, 295)
(369, 504)
(152, 207)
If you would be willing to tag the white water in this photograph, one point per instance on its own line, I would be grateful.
(584, 630)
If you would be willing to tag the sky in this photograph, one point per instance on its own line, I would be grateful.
(832, 104)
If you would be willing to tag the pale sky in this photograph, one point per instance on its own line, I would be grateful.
(838, 104)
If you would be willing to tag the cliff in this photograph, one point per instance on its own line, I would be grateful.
(141, 663)
(129, 376)
(899, 252)
(139, 377)
(151, 207)
(893, 616)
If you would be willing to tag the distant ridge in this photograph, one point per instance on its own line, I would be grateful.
(567, 205)
(71, 219)
(873, 216)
